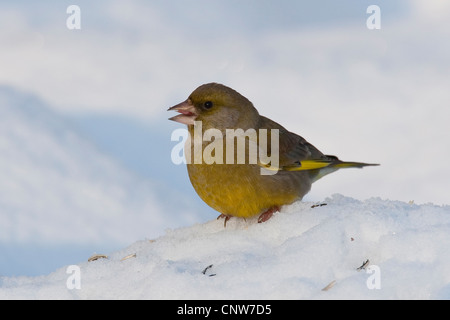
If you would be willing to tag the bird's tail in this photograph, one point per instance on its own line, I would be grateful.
(348, 164)
(320, 167)
(326, 162)
(333, 164)
(323, 166)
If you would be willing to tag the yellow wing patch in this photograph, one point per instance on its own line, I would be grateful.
(318, 164)
(308, 165)
(301, 165)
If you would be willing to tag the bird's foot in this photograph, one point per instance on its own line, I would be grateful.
(226, 219)
(268, 214)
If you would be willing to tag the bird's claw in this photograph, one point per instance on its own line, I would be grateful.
(226, 219)
(267, 214)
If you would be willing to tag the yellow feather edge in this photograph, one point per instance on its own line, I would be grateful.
(303, 165)
(318, 164)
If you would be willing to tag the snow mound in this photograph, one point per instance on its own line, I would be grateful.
(303, 252)
(57, 189)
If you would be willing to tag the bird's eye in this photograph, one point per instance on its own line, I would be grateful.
(208, 105)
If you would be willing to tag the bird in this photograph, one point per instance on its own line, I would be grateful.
(246, 189)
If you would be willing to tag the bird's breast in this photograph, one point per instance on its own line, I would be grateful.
(240, 189)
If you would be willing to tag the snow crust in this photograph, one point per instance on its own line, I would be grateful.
(301, 253)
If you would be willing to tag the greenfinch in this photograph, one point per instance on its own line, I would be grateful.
(233, 184)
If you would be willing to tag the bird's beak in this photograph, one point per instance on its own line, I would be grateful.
(187, 110)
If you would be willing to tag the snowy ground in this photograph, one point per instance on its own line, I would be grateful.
(59, 191)
(300, 253)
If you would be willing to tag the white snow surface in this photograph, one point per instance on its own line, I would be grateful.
(294, 255)
(56, 187)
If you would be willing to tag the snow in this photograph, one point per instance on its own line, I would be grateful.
(301, 253)
(55, 182)
(57, 190)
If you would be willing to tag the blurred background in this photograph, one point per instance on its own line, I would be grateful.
(85, 143)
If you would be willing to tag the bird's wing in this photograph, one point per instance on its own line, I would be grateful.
(294, 151)
(297, 154)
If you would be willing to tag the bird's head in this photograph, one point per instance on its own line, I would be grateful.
(218, 107)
